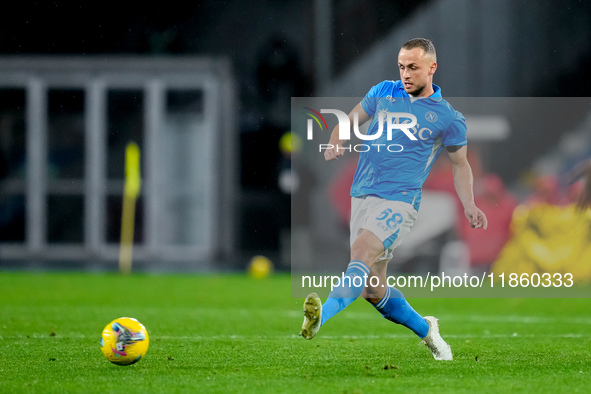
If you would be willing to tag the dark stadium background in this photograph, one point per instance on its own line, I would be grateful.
(272, 47)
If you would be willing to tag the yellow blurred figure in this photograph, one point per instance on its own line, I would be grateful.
(548, 238)
(260, 267)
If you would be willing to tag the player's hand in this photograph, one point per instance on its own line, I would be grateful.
(334, 153)
(476, 217)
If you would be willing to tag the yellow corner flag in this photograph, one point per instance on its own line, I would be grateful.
(130, 193)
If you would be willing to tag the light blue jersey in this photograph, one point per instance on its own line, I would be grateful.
(395, 168)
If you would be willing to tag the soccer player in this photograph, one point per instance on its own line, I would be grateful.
(386, 191)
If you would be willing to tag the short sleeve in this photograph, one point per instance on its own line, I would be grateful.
(370, 101)
(455, 135)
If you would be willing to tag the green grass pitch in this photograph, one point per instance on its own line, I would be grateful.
(230, 333)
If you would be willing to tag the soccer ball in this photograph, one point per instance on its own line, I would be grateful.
(124, 341)
(260, 267)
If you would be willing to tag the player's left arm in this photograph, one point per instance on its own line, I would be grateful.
(463, 182)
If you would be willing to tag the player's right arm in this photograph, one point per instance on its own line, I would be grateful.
(336, 150)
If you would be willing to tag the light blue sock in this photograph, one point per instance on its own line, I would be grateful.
(349, 289)
(395, 308)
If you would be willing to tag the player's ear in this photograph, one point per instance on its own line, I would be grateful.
(432, 68)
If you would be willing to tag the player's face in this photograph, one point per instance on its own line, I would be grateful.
(416, 71)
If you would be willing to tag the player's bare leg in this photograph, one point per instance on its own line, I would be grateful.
(367, 248)
(376, 283)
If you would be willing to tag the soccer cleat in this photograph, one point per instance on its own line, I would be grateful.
(312, 316)
(440, 349)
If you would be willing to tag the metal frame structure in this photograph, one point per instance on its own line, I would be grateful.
(211, 192)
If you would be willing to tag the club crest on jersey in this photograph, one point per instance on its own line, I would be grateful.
(431, 117)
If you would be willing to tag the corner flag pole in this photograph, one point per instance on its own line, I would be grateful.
(130, 193)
